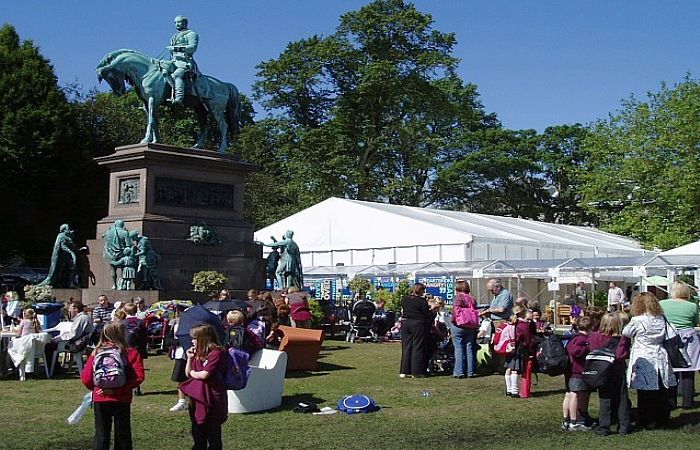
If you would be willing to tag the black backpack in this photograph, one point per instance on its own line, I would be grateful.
(551, 356)
(599, 363)
(236, 337)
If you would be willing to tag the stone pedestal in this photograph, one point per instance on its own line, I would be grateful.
(161, 191)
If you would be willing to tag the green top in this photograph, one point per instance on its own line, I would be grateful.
(681, 313)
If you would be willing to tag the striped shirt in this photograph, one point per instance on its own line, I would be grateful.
(104, 314)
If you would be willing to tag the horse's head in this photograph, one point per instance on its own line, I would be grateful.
(118, 66)
(115, 78)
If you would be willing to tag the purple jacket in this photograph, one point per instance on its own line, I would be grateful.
(577, 349)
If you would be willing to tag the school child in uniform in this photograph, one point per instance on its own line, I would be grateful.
(515, 364)
(613, 396)
(208, 408)
(113, 406)
(577, 392)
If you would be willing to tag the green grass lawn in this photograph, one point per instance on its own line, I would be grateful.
(467, 413)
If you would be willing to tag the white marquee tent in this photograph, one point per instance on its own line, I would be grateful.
(689, 249)
(339, 232)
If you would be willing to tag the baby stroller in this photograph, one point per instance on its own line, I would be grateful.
(361, 324)
(442, 360)
(157, 329)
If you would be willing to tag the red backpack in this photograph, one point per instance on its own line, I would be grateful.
(504, 339)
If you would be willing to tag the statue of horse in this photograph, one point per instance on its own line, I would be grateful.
(149, 78)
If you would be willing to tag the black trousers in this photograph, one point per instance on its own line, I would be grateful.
(206, 436)
(614, 401)
(686, 388)
(105, 414)
(653, 407)
(414, 347)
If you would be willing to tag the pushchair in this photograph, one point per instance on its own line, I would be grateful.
(157, 329)
(361, 323)
(442, 360)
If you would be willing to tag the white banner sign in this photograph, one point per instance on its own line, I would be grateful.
(639, 271)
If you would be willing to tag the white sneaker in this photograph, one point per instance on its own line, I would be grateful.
(180, 406)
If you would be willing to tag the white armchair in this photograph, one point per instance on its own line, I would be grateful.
(265, 384)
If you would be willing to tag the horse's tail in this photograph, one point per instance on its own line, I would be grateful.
(233, 109)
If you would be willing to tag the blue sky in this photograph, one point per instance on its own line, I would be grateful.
(536, 63)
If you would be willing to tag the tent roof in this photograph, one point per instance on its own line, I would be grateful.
(340, 224)
(576, 269)
(689, 249)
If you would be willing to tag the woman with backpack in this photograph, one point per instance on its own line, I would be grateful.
(112, 372)
(465, 321)
(613, 397)
(206, 363)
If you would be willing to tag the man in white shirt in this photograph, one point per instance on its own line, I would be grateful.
(616, 297)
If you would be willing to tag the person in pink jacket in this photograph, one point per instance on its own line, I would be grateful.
(113, 406)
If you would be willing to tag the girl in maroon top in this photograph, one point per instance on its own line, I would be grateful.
(577, 391)
(206, 362)
(515, 364)
(613, 396)
(113, 405)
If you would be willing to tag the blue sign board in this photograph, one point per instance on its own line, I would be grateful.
(443, 286)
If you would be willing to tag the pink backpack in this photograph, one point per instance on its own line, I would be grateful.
(465, 313)
(504, 339)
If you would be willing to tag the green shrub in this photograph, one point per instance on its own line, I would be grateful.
(208, 281)
(600, 299)
(360, 286)
(400, 292)
(34, 293)
(316, 312)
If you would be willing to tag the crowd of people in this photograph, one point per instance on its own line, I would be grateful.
(121, 329)
(634, 331)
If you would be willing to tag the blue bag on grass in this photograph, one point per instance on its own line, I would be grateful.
(357, 403)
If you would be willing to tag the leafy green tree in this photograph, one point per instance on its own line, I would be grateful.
(35, 155)
(641, 176)
(372, 112)
(500, 175)
(561, 158)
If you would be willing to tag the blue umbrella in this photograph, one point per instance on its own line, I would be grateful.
(194, 316)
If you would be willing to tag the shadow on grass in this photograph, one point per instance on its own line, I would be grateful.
(323, 369)
(686, 420)
(334, 348)
(289, 402)
(68, 444)
(547, 393)
(169, 392)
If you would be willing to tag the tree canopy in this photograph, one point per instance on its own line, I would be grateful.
(372, 112)
(34, 153)
(641, 177)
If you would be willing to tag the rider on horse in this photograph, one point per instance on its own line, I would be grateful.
(182, 46)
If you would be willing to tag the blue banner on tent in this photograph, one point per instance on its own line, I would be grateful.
(386, 283)
(443, 286)
(323, 289)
